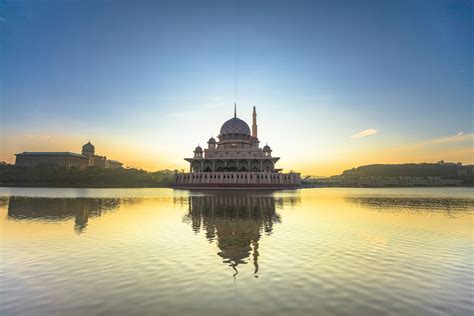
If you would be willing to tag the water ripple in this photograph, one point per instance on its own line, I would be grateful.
(330, 252)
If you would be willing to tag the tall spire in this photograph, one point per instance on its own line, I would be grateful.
(235, 109)
(254, 122)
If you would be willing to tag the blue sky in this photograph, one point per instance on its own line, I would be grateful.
(160, 77)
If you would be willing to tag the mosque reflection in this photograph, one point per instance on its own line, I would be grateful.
(236, 222)
(57, 209)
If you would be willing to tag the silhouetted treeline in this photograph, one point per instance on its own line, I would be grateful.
(11, 175)
(442, 170)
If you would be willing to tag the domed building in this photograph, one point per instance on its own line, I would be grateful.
(235, 160)
(88, 149)
(87, 158)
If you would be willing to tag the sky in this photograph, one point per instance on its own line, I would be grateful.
(337, 84)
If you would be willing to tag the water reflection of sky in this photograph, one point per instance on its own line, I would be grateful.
(234, 220)
(412, 204)
(317, 251)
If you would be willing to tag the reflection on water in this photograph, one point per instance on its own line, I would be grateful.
(55, 209)
(179, 252)
(236, 221)
(413, 204)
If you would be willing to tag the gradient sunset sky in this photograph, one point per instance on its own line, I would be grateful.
(337, 84)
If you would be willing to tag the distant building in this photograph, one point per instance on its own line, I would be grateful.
(236, 160)
(66, 159)
(114, 164)
(442, 162)
(462, 172)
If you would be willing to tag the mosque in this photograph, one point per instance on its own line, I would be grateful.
(235, 160)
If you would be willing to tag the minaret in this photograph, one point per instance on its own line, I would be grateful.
(254, 122)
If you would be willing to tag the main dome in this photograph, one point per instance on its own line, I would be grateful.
(235, 126)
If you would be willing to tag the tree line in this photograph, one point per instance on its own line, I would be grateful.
(93, 177)
(424, 170)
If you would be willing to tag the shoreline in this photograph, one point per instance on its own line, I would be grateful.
(84, 187)
(225, 188)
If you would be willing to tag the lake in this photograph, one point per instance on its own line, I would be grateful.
(322, 251)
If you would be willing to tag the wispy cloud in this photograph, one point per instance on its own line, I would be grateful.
(459, 137)
(367, 132)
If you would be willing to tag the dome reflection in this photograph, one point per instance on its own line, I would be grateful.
(236, 222)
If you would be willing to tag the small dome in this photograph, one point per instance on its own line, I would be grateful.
(88, 147)
(198, 149)
(235, 126)
(211, 140)
(266, 148)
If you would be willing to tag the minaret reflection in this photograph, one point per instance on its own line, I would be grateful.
(56, 209)
(236, 221)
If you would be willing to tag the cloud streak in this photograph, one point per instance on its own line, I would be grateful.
(459, 137)
(367, 132)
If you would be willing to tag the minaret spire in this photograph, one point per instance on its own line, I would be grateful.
(235, 109)
(254, 122)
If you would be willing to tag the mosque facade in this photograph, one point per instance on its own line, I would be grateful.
(235, 160)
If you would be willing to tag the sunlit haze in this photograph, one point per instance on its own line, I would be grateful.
(336, 85)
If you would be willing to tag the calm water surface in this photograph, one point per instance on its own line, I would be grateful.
(177, 252)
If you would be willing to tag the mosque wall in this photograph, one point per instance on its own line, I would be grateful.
(246, 179)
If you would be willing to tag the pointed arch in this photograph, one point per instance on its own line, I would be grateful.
(255, 166)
